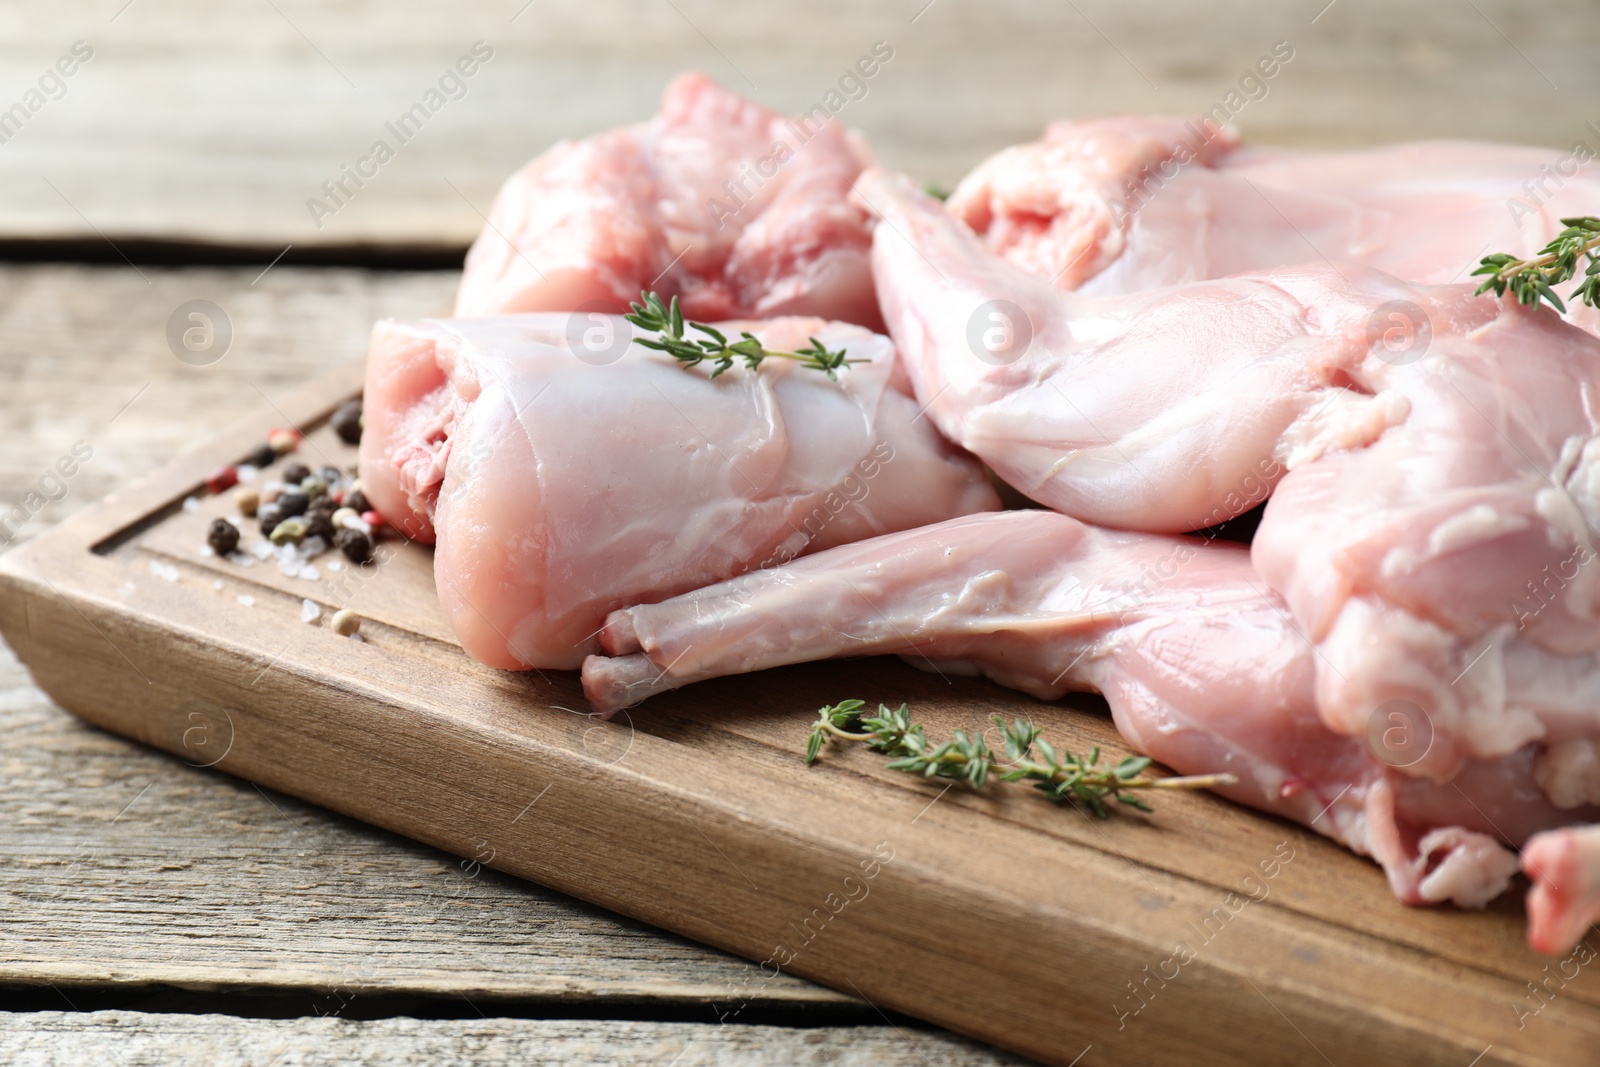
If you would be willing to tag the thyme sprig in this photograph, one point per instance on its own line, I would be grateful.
(1531, 280)
(1060, 775)
(651, 313)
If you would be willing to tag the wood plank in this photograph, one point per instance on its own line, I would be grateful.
(133, 1039)
(126, 867)
(86, 359)
(1018, 925)
(193, 125)
(86, 893)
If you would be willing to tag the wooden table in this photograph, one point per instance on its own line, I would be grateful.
(151, 912)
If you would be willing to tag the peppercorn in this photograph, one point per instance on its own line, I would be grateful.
(263, 456)
(341, 514)
(290, 531)
(270, 515)
(357, 500)
(372, 519)
(314, 487)
(223, 537)
(283, 441)
(295, 473)
(347, 422)
(222, 479)
(345, 622)
(319, 523)
(249, 500)
(294, 502)
(355, 544)
(330, 475)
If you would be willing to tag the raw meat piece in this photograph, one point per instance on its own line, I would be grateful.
(1129, 202)
(1169, 410)
(559, 488)
(1448, 562)
(740, 211)
(1565, 867)
(1202, 667)
(1434, 529)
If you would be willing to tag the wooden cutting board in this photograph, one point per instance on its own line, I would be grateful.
(1204, 934)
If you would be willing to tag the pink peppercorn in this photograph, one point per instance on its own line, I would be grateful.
(222, 479)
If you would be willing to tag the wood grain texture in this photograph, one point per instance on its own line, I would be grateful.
(121, 866)
(131, 1039)
(1026, 926)
(205, 882)
(84, 357)
(216, 124)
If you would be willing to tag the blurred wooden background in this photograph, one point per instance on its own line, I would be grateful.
(176, 164)
(216, 121)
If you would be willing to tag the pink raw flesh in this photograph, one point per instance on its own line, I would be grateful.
(738, 210)
(1133, 202)
(559, 489)
(1202, 667)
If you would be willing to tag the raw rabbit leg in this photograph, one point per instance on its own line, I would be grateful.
(1169, 410)
(558, 489)
(1200, 664)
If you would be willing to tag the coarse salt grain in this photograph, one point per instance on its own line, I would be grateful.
(247, 600)
(165, 571)
(334, 565)
(206, 551)
(247, 473)
(191, 504)
(241, 559)
(309, 612)
(262, 550)
(217, 583)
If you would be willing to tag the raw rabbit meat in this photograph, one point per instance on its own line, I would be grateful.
(1447, 562)
(1202, 667)
(558, 488)
(737, 210)
(1168, 410)
(1440, 503)
(1129, 202)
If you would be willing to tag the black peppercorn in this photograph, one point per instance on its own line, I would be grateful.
(223, 537)
(295, 473)
(330, 476)
(270, 515)
(293, 502)
(263, 456)
(319, 523)
(347, 422)
(358, 500)
(355, 544)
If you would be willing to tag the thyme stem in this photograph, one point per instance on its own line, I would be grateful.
(1532, 280)
(1061, 776)
(668, 323)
